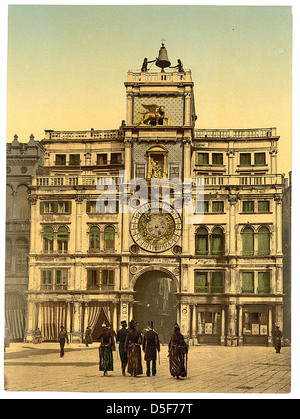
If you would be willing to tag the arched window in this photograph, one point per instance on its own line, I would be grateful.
(9, 202)
(48, 239)
(263, 241)
(8, 255)
(109, 238)
(217, 241)
(94, 238)
(62, 240)
(248, 241)
(201, 241)
(21, 255)
(22, 204)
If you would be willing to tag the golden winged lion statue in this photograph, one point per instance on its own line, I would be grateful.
(154, 115)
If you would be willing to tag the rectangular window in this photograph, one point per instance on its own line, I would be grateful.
(116, 158)
(217, 158)
(263, 283)
(259, 158)
(93, 279)
(64, 207)
(216, 286)
(140, 171)
(60, 160)
(248, 282)
(201, 284)
(107, 279)
(46, 279)
(101, 159)
(61, 279)
(202, 207)
(74, 160)
(217, 206)
(263, 206)
(245, 159)
(203, 159)
(248, 206)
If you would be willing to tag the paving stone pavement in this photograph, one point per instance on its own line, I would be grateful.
(211, 369)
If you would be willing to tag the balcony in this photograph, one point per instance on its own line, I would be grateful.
(235, 133)
(76, 180)
(80, 135)
(136, 76)
(234, 180)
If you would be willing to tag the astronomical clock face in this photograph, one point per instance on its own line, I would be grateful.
(155, 229)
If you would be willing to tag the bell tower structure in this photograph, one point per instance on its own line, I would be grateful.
(160, 120)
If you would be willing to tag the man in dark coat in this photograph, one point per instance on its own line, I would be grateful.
(133, 347)
(277, 335)
(151, 347)
(62, 338)
(121, 338)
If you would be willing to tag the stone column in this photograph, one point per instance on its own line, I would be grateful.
(31, 312)
(240, 331)
(77, 322)
(184, 324)
(232, 224)
(39, 315)
(278, 212)
(223, 326)
(230, 169)
(128, 145)
(115, 317)
(124, 311)
(186, 158)
(33, 224)
(232, 337)
(270, 328)
(194, 322)
(78, 225)
(129, 108)
(187, 104)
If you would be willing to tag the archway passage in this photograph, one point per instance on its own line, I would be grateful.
(155, 300)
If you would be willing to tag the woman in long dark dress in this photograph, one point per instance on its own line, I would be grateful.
(178, 350)
(133, 347)
(105, 350)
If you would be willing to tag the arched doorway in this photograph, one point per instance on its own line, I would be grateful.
(155, 300)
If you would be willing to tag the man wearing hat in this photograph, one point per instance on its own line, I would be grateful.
(133, 347)
(121, 338)
(62, 338)
(151, 347)
(277, 335)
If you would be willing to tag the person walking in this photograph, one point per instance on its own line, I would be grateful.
(121, 338)
(62, 338)
(151, 346)
(133, 348)
(277, 335)
(105, 350)
(178, 350)
(88, 336)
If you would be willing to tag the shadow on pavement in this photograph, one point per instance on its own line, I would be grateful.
(38, 351)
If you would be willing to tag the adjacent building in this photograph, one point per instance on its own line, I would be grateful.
(23, 161)
(219, 276)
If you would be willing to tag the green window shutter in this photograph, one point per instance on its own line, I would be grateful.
(248, 282)
(200, 283)
(203, 159)
(263, 241)
(55, 207)
(263, 206)
(259, 158)
(264, 283)
(201, 241)
(217, 158)
(62, 234)
(88, 207)
(245, 159)
(58, 276)
(41, 207)
(48, 233)
(217, 282)
(248, 206)
(217, 242)
(248, 241)
(217, 206)
(69, 207)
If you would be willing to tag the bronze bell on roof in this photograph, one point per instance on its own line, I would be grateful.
(162, 60)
